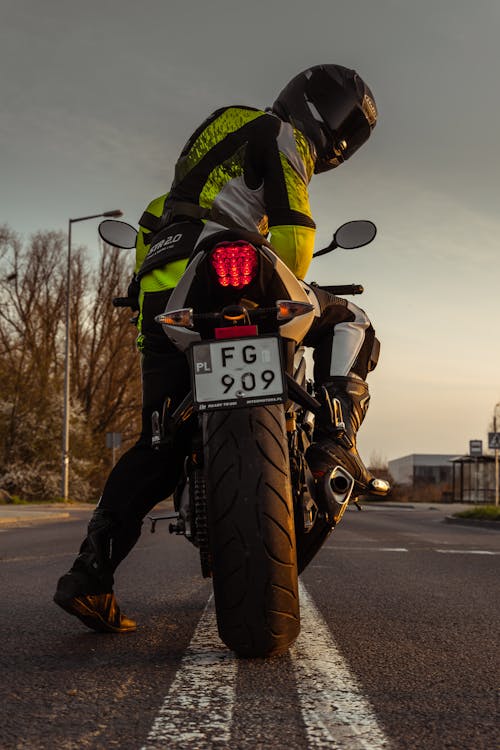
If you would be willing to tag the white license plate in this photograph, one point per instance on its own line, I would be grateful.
(237, 372)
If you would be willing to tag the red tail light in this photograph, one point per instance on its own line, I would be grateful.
(235, 263)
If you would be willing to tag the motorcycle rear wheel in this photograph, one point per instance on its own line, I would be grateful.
(251, 530)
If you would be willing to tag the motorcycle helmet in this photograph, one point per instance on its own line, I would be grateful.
(333, 107)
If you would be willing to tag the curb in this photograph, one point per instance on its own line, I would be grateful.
(27, 518)
(478, 522)
(10, 515)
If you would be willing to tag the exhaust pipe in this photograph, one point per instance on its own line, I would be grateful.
(339, 484)
(337, 490)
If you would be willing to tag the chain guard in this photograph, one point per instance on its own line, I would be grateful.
(198, 489)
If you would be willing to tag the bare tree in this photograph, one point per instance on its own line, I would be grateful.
(31, 296)
(105, 365)
(105, 384)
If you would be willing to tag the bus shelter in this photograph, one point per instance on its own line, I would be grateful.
(473, 479)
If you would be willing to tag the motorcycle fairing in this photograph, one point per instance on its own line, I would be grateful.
(294, 329)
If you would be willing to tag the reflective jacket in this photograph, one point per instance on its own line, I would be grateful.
(253, 167)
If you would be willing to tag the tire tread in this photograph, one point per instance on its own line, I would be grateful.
(251, 528)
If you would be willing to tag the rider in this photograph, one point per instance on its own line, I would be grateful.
(249, 169)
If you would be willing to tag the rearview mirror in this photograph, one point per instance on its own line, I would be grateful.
(350, 235)
(355, 234)
(117, 233)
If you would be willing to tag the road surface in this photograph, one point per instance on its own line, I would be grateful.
(399, 646)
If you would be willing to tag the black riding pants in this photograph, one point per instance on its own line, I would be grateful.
(144, 476)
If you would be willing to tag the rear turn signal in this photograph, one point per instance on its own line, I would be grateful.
(288, 308)
(235, 263)
(182, 317)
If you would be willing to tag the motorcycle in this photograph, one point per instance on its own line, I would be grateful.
(247, 499)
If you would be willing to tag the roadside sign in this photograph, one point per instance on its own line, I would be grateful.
(475, 447)
(113, 439)
(493, 439)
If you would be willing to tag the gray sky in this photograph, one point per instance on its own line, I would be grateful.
(99, 97)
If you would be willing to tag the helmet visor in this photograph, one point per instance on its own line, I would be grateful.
(354, 130)
(342, 112)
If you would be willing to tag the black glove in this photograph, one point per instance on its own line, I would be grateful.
(133, 292)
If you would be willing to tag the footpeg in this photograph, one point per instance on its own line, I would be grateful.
(154, 520)
(380, 486)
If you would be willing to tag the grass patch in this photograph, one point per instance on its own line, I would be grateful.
(484, 512)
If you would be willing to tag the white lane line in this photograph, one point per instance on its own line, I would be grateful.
(392, 549)
(337, 548)
(466, 552)
(198, 710)
(335, 712)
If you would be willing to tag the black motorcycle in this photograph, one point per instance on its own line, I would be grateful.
(248, 500)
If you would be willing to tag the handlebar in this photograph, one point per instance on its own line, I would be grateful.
(340, 289)
(124, 302)
(337, 289)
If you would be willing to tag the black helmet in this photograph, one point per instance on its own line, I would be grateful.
(333, 107)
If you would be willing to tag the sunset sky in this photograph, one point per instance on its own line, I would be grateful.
(98, 98)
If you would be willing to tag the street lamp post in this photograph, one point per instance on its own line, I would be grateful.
(66, 414)
(497, 482)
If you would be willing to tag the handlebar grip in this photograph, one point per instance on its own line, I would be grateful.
(124, 302)
(340, 289)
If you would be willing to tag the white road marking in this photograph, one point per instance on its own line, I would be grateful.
(337, 548)
(466, 552)
(198, 709)
(335, 712)
(443, 550)
(392, 549)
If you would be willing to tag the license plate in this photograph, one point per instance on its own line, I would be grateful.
(237, 372)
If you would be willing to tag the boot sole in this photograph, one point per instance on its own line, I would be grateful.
(89, 617)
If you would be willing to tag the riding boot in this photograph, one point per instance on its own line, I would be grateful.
(86, 591)
(345, 403)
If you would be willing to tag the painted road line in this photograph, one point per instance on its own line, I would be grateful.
(392, 549)
(337, 548)
(335, 712)
(198, 710)
(466, 552)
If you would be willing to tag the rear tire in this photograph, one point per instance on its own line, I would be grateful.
(251, 530)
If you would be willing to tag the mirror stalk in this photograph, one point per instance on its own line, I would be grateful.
(332, 246)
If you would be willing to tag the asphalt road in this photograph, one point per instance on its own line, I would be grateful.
(400, 647)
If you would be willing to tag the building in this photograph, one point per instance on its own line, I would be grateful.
(422, 468)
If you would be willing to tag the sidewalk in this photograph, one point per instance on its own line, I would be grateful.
(11, 515)
(15, 514)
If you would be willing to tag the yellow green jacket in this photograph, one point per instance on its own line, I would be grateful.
(256, 169)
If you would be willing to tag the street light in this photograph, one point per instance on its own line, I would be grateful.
(497, 483)
(65, 437)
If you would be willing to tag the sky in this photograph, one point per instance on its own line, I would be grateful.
(98, 98)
